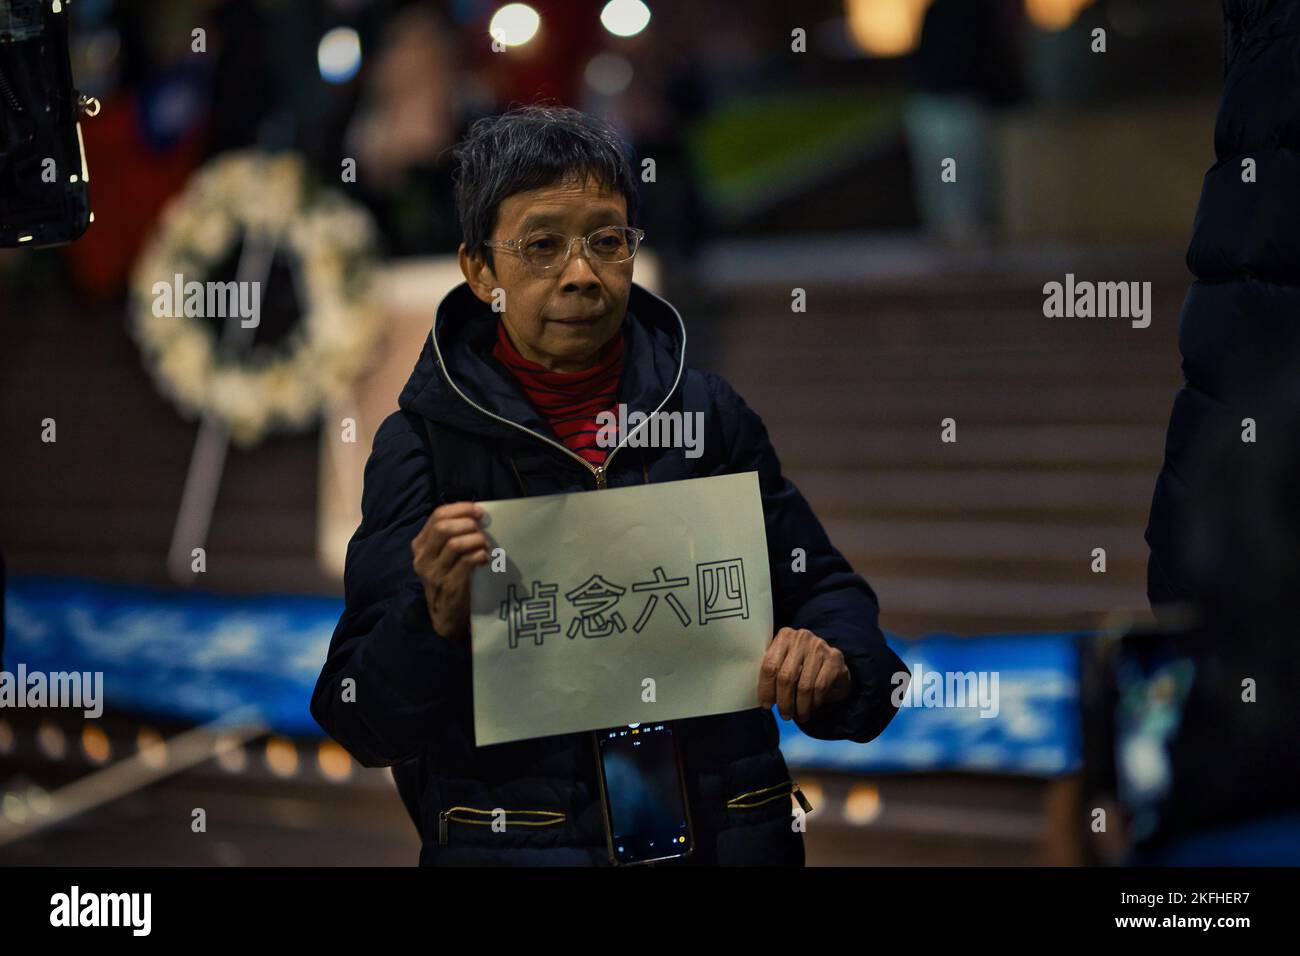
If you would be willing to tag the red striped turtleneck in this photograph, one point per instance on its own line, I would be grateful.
(569, 401)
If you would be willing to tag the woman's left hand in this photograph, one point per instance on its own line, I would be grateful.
(801, 673)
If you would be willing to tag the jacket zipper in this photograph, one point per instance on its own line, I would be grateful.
(785, 788)
(554, 818)
(600, 471)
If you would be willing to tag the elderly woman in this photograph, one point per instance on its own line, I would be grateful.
(503, 403)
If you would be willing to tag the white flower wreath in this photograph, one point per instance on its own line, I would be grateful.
(288, 385)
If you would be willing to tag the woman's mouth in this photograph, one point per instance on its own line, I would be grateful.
(579, 321)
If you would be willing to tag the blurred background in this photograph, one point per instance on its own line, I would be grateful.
(783, 160)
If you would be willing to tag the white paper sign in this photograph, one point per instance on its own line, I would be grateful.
(618, 606)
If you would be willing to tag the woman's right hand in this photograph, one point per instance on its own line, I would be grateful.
(444, 554)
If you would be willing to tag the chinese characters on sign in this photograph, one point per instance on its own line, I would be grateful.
(720, 590)
(623, 605)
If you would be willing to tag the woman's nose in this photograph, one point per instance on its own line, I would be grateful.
(578, 269)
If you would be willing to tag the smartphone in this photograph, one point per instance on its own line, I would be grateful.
(643, 790)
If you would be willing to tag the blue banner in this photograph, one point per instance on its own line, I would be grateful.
(996, 703)
(1004, 703)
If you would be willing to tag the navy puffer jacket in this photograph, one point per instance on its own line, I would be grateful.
(413, 709)
(1224, 515)
(1239, 330)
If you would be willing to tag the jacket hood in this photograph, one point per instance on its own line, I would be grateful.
(457, 382)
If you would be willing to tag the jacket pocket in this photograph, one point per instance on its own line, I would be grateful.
(484, 818)
(757, 798)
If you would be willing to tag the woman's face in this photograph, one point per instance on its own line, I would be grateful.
(562, 318)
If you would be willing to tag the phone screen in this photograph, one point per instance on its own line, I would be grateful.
(645, 799)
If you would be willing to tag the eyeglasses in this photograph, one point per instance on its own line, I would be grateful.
(545, 251)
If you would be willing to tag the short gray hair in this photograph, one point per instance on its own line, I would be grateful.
(530, 147)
